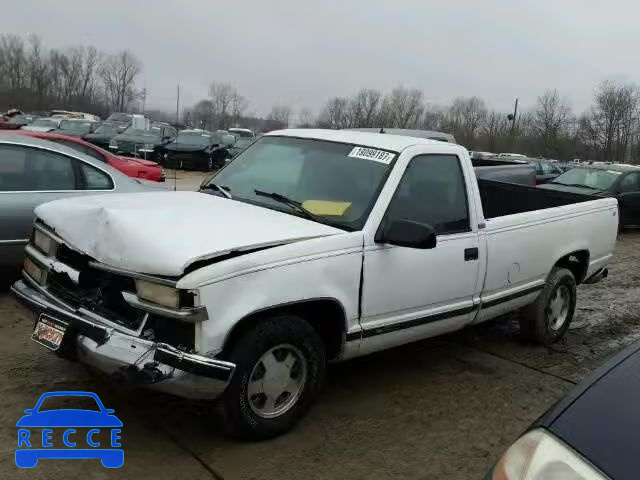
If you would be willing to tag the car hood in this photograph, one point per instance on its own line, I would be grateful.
(184, 147)
(566, 188)
(69, 418)
(600, 418)
(163, 233)
(139, 162)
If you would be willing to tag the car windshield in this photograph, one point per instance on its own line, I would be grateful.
(67, 402)
(594, 178)
(108, 130)
(46, 122)
(242, 133)
(191, 138)
(119, 117)
(75, 126)
(326, 178)
(136, 132)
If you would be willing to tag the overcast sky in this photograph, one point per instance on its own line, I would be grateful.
(300, 52)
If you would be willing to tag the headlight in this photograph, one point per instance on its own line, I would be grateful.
(113, 144)
(160, 294)
(538, 455)
(33, 270)
(43, 242)
(149, 146)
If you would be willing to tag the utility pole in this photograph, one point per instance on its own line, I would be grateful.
(144, 99)
(178, 106)
(513, 118)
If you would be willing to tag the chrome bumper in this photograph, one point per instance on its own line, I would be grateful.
(131, 359)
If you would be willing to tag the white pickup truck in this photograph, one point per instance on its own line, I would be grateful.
(310, 246)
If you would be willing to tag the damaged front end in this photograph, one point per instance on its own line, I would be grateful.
(136, 328)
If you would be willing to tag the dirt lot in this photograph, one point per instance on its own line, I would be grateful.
(443, 408)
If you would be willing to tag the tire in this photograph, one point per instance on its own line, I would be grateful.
(281, 337)
(544, 321)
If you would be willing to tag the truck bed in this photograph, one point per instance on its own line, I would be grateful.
(500, 198)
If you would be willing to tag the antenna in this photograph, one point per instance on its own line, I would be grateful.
(381, 130)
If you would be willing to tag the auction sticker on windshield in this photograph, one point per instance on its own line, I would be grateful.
(372, 154)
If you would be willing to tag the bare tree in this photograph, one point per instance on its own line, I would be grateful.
(119, 73)
(403, 107)
(364, 108)
(238, 106)
(222, 96)
(494, 129)
(305, 118)
(551, 119)
(433, 119)
(280, 114)
(335, 114)
(465, 117)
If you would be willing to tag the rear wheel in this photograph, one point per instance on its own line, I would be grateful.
(280, 366)
(547, 319)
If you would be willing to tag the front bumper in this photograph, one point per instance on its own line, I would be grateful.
(129, 358)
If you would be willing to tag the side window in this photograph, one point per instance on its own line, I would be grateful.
(432, 191)
(629, 183)
(95, 179)
(24, 169)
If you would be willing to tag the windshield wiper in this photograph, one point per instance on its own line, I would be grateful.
(575, 185)
(223, 190)
(278, 197)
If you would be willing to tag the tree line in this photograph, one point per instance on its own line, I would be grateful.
(36, 78)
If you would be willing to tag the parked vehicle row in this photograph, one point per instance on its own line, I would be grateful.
(400, 238)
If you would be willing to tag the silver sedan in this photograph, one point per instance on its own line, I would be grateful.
(34, 171)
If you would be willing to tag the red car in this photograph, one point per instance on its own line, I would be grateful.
(132, 167)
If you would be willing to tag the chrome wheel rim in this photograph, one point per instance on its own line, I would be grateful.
(559, 308)
(276, 381)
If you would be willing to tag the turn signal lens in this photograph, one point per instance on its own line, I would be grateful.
(160, 294)
(33, 270)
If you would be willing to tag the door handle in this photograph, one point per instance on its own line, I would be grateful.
(470, 254)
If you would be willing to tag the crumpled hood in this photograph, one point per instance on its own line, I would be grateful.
(163, 233)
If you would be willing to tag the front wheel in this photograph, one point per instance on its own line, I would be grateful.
(547, 319)
(280, 364)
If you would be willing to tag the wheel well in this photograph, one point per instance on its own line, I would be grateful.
(577, 263)
(326, 316)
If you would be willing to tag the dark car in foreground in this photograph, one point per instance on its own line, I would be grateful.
(590, 434)
(198, 150)
(620, 181)
(147, 144)
(76, 128)
(103, 135)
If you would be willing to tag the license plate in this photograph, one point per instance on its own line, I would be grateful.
(49, 332)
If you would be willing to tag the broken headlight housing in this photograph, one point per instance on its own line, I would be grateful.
(160, 294)
(538, 455)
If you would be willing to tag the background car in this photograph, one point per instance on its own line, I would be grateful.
(545, 171)
(242, 132)
(144, 143)
(104, 133)
(589, 434)
(76, 128)
(35, 171)
(123, 119)
(198, 149)
(620, 181)
(15, 122)
(43, 124)
(132, 167)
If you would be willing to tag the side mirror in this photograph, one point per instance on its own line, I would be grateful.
(407, 233)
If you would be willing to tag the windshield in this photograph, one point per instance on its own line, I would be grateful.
(136, 132)
(119, 117)
(108, 130)
(192, 138)
(326, 178)
(66, 402)
(75, 126)
(241, 133)
(46, 122)
(594, 178)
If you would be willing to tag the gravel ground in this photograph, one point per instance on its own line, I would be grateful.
(442, 408)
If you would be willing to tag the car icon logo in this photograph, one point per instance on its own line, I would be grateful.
(67, 426)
